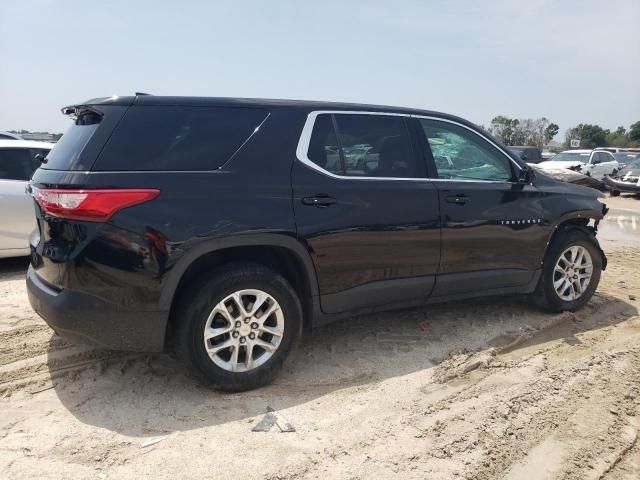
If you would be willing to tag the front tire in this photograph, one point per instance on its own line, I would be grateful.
(238, 325)
(614, 193)
(571, 272)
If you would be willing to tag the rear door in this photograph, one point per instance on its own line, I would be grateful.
(365, 210)
(491, 223)
(16, 208)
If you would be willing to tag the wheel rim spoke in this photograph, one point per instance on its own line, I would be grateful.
(261, 298)
(221, 346)
(265, 345)
(210, 333)
(271, 331)
(272, 309)
(238, 301)
(234, 358)
(249, 358)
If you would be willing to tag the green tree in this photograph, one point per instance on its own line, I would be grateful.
(502, 128)
(550, 132)
(591, 136)
(634, 132)
(619, 138)
(523, 131)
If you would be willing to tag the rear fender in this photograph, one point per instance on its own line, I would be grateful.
(249, 240)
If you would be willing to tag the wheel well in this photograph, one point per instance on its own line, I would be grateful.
(578, 223)
(279, 259)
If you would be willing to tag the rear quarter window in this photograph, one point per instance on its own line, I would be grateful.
(178, 137)
(83, 140)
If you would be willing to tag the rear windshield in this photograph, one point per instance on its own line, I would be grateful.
(68, 149)
(178, 137)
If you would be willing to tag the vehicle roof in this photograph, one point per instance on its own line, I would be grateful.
(25, 144)
(523, 146)
(306, 105)
(577, 151)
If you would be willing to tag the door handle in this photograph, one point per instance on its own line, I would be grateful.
(460, 199)
(318, 201)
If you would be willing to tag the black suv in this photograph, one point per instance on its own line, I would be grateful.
(221, 228)
(527, 154)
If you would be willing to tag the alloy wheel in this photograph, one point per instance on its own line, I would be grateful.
(572, 273)
(244, 330)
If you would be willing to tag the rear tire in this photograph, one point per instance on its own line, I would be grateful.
(562, 285)
(253, 356)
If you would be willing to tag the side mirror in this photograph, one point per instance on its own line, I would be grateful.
(525, 175)
(40, 158)
(524, 157)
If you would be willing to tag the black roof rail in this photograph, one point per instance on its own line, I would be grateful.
(137, 94)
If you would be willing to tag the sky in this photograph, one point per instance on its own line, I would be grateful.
(570, 61)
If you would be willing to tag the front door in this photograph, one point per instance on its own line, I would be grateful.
(602, 163)
(491, 223)
(365, 210)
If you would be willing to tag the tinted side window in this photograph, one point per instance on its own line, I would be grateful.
(178, 138)
(15, 164)
(323, 147)
(461, 154)
(376, 146)
(67, 151)
(533, 154)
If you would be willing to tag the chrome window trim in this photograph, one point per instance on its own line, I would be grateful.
(305, 139)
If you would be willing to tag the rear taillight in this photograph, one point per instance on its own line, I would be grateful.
(90, 205)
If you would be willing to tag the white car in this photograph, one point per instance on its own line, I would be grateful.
(17, 220)
(594, 163)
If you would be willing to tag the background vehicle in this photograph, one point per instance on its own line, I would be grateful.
(593, 163)
(612, 149)
(221, 227)
(527, 153)
(625, 158)
(17, 164)
(626, 180)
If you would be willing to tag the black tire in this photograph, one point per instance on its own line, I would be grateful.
(545, 295)
(194, 308)
(614, 193)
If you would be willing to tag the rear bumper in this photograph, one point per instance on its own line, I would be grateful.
(84, 318)
(621, 186)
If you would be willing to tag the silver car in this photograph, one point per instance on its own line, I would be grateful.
(17, 164)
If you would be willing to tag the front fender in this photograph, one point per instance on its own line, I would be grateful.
(570, 223)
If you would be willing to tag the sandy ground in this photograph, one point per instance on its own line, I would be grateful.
(484, 389)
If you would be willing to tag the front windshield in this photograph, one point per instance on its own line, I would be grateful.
(635, 164)
(625, 157)
(571, 157)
